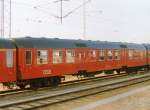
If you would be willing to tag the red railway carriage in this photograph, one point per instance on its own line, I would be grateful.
(42, 60)
(7, 61)
(42, 57)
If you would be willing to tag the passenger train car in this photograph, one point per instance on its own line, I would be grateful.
(44, 61)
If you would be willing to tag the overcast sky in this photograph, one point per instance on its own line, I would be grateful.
(107, 20)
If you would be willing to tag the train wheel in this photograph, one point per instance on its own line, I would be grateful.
(118, 71)
(45, 83)
(55, 81)
(128, 71)
(131, 71)
(22, 86)
(109, 72)
(34, 85)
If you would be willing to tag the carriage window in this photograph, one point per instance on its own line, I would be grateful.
(117, 54)
(149, 53)
(110, 54)
(80, 57)
(142, 54)
(130, 54)
(28, 57)
(57, 56)
(70, 56)
(42, 57)
(9, 58)
(136, 54)
(101, 55)
(93, 53)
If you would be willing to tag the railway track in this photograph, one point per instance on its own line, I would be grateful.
(63, 84)
(73, 92)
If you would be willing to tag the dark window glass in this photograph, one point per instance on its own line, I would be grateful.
(28, 57)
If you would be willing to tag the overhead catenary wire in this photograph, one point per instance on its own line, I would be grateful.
(61, 9)
(45, 9)
(39, 8)
(75, 9)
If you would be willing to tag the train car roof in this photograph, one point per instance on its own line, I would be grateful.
(134, 46)
(6, 44)
(147, 46)
(29, 42)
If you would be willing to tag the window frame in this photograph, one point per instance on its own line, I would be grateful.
(59, 50)
(130, 57)
(26, 57)
(119, 54)
(93, 53)
(109, 56)
(47, 61)
(100, 53)
(136, 54)
(80, 56)
(8, 65)
(72, 55)
(142, 54)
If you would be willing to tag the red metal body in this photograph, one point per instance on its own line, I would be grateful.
(86, 63)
